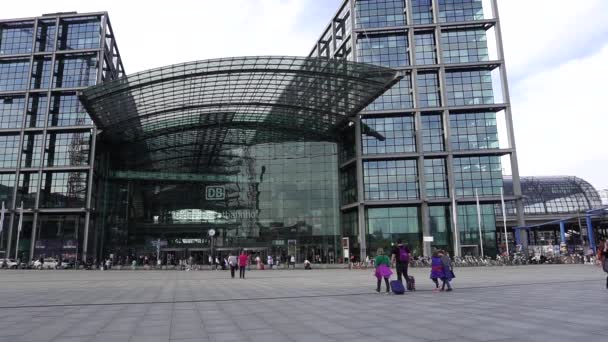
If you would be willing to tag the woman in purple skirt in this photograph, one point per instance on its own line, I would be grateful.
(383, 269)
(437, 271)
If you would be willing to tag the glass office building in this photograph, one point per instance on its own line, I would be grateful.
(442, 136)
(47, 139)
(390, 129)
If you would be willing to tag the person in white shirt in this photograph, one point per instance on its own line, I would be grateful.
(270, 261)
(233, 264)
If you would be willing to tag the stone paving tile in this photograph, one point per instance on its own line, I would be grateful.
(534, 303)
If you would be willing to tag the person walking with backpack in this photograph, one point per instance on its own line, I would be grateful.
(401, 259)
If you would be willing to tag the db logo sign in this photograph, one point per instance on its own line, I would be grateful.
(215, 193)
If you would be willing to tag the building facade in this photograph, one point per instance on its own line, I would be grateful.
(47, 139)
(311, 157)
(447, 131)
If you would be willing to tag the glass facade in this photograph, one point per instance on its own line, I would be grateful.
(277, 199)
(390, 179)
(46, 169)
(292, 183)
(379, 13)
(397, 132)
(387, 225)
(428, 138)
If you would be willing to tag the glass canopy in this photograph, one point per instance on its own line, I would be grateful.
(551, 195)
(189, 114)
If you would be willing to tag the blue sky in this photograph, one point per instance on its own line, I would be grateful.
(555, 51)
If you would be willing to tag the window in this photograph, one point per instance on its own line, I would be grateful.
(41, 73)
(348, 185)
(425, 48)
(468, 226)
(67, 149)
(379, 13)
(13, 74)
(472, 131)
(464, 46)
(428, 90)
(27, 189)
(398, 97)
(460, 10)
(45, 36)
(432, 133)
(66, 110)
(32, 148)
(16, 38)
(422, 11)
(483, 173)
(435, 178)
(9, 150)
(469, 87)
(7, 184)
(75, 71)
(11, 111)
(36, 110)
(398, 133)
(63, 189)
(389, 51)
(79, 33)
(390, 179)
(387, 225)
(439, 222)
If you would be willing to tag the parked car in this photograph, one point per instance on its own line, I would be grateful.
(9, 263)
(49, 263)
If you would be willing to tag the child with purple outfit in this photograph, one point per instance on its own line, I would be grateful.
(383, 269)
(437, 271)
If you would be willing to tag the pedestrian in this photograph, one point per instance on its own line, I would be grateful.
(447, 270)
(292, 261)
(307, 265)
(243, 261)
(400, 257)
(278, 261)
(270, 261)
(604, 258)
(383, 270)
(258, 261)
(217, 262)
(232, 262)
(436, 270)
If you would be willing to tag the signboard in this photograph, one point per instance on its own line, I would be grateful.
(215, 193)
(211, 232)
(427, 239)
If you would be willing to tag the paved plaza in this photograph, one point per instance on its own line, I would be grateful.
(529, 303)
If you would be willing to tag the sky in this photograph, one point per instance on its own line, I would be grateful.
(556, 54)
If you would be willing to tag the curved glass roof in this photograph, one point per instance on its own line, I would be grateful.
(555, 195)
(215, 105)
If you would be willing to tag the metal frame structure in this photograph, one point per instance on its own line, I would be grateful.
(182, 117)
(340, 41)
(109, 66)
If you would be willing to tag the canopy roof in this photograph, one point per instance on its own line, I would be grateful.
(550, 195)
(204, 108)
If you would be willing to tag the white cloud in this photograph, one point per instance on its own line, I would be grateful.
(156, 33)
(542, 33)
(561, 125)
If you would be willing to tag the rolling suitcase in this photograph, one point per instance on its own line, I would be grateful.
(397, 287)
(411, 284)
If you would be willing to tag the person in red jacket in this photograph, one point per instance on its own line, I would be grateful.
(243, 260)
